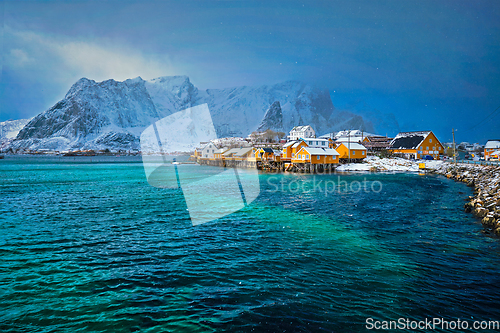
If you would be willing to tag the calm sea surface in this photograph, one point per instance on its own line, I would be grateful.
(92, 247)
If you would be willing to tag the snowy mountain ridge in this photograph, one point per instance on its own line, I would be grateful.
(113, 114)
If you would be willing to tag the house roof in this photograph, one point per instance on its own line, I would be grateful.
(321, 151)
(297, 143)
(354, 146)
(301, 128)
(289, 143)
(231, 151)
(351, 139)
(409, 140)
(379, 138)
(267, 150)
(377, 144)
(222, 150)
(315, 139)
(242, 151)
(208, 144)
(492, 144)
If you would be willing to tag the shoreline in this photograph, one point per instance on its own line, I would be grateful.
(485, 203)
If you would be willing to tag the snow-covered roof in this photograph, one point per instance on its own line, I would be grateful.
(289, 143)
(321, 151)
(352, 133)
(409, 140)
(242, 151)
(492, 144)
(296, 144)
(301, 128)
(209, 144)
(231, 151)
(351, 139)
(222, 150)
(315, 139)
(354, 145)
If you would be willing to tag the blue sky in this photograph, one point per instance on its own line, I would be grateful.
(433, 64)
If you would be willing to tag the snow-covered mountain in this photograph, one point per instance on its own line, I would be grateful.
(112, 114)
(9, 130)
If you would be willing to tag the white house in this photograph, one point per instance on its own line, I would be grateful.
(301, 132)
(209, 150)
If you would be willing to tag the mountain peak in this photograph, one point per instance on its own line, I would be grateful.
(79, 85)
(273, 119)
(176, 80)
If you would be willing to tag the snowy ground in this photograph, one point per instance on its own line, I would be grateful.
(374, 163)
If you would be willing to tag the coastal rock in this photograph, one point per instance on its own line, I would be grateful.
(489, 221)
(480, 212)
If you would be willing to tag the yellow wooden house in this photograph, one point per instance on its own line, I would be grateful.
(490, 148)
(316, 156)
(351, 150)
(218, 154)
(291, 148)
(264, 154)
(417, 145)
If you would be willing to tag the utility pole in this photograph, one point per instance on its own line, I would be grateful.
(454, 150)
(349, 145)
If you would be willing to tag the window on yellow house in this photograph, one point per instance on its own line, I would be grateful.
(430, 140)
(307, 157)
(362, 153)
(354, 152)
(317, 157)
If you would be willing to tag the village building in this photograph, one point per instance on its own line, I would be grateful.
(209, 151)
(291, 148)
(319, 143)
(238, 154)
(264, 154)
(316, 156)
(218, 153)
(490, 148)
(353, 150)
(377, 143)
(417, 145)
(301, 132)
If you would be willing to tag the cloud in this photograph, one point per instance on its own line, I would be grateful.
(19, 57)
(67, 60)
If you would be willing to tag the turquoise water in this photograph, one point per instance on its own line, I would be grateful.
(92, 247)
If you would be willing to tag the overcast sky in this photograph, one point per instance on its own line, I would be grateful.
(433, 64)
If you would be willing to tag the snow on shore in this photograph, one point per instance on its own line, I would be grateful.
(374, 163)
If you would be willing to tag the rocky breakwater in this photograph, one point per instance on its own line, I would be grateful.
(485, 204)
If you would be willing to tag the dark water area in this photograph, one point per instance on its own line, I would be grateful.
(92, 247)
